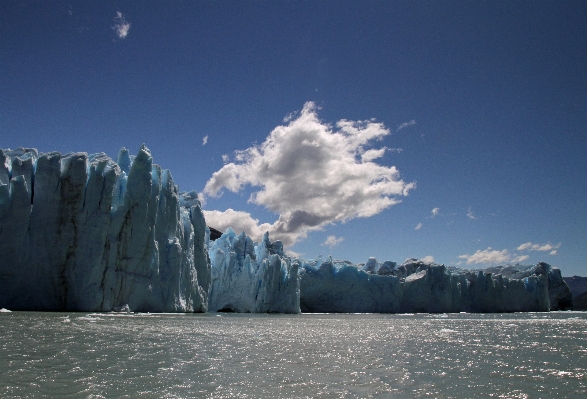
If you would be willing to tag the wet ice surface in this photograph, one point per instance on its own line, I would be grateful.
(293, 356)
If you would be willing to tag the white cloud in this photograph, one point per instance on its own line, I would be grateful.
(435, 212)
(428, 259)
(332, 241)
(239, 221)
(492, 256)
(405, 124)
(487, 256)
(309, 174)
(225, 158)
(309, 143)
(292, 115)
(539, 247)
(525, 246)
(418, 226)
(471, 214)
(205, 140)
(370, 155)
(121, 26)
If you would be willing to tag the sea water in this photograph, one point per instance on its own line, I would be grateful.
(227, 355)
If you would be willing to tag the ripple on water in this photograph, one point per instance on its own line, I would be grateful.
(235, 355)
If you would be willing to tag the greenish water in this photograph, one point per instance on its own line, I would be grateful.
(79, 355)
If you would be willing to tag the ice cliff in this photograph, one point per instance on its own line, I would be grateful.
(416, 286)
(81, 232)
(250, 277)
(84, 233)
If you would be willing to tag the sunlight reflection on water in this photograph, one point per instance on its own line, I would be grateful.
(293, 356)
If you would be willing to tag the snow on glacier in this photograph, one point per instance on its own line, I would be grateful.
(250, 277)
(82, 232)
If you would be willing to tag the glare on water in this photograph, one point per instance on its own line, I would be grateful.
(293, 356)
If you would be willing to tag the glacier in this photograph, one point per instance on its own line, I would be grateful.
(252, 278)
(260, 278)
(420, 287)
(81, 232)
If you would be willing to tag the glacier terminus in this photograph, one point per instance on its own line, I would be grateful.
(83, 232)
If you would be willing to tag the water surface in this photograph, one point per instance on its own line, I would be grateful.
(90, 355)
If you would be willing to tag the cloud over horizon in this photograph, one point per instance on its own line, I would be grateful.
(310, 174)
(492, 256)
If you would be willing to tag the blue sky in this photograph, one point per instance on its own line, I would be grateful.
(453, 130)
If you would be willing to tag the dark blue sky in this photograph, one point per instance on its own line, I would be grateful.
(486, 100)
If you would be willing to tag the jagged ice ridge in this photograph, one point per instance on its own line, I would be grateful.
(84, 233)
(250, 277)
(416, 286)
(81, 232)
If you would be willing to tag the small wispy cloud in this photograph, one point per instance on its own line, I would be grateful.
(205, 140)
(525, 246)
(405, 124)
(225, 158)
(332, 241)
(373, 154)
(121, 25)
(548, 247)
(471, 214)
(435, 212)
(418, 226)
(428, 259)
(492, 256)
(290, 116)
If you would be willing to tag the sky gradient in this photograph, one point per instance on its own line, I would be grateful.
(453, 131)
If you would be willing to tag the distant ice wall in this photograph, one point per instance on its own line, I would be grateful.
(416, 286)
(82, 232)
(341, 287)
(250, 277)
